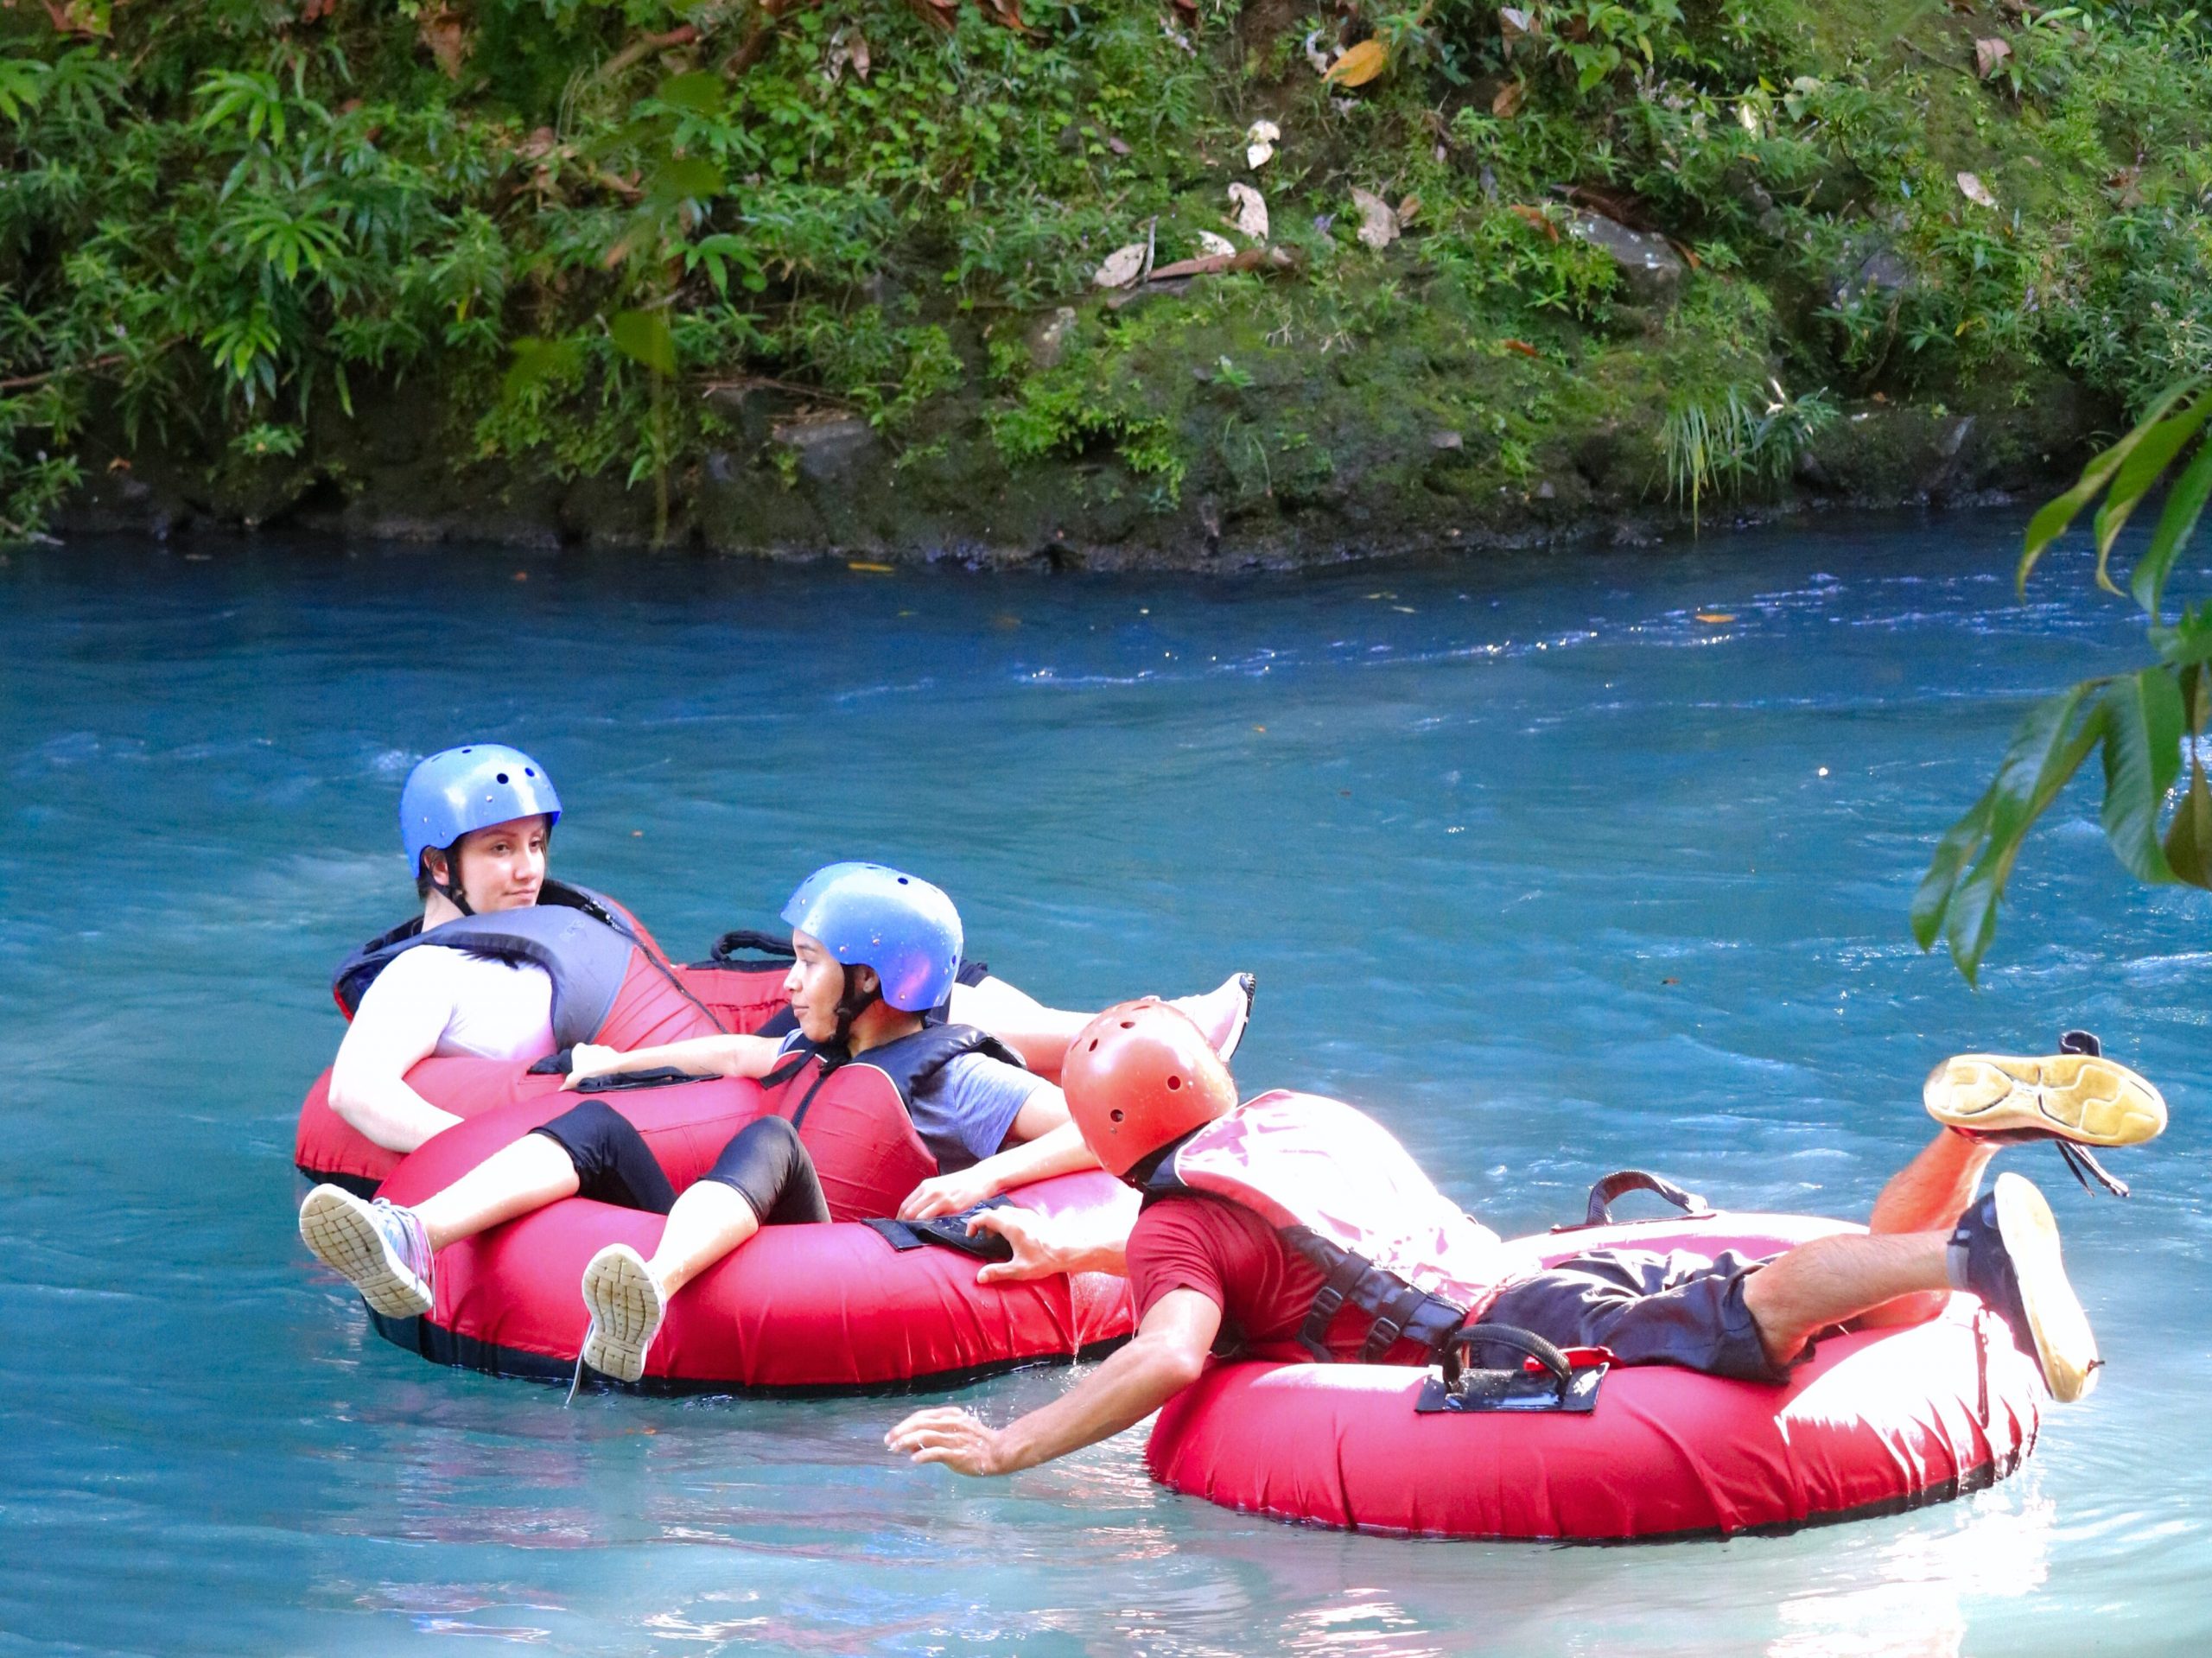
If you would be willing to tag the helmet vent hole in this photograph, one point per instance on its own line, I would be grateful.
(903, 881)
(1174, 1082)
(530, 771)
(1094, 1044)
(503, 776)
(1128, 1024)
(1115, 1115)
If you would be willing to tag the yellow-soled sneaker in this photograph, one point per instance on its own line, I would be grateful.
(2082, 1097)
(2007, 1250)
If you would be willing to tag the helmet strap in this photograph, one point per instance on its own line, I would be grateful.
(851, 1004)
(449, 888)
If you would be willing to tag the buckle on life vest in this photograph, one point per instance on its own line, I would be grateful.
(1548, 1378)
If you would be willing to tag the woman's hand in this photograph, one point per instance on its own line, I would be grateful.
(948, 1194)
(954, 1437)
(589, 1059)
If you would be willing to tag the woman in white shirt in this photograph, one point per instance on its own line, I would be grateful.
(476, 822)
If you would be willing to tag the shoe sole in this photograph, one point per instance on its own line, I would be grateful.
(2077, 1096)
(626, 1311)
(2066, 1347)
(341, 1232)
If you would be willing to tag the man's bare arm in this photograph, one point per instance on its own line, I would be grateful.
(1168, 1353)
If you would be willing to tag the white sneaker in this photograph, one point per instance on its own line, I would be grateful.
(383, 1249)
(626, 1307)
(1221, 1012)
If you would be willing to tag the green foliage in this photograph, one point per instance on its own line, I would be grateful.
(2141, 721)
(222, 220)
(1745, 435)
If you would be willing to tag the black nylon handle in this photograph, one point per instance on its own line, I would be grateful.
(757, 943)
(1622, 1181)
(1521, 1341)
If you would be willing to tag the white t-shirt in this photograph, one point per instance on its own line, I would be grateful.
(492, 1009)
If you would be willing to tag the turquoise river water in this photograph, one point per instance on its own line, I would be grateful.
(1547, 871)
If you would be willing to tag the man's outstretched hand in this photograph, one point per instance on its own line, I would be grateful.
(1037, 1252)
(958, 1439)
(1166, 1356)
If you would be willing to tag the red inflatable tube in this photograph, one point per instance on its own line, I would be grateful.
(653, 1008)
(1876, 1421)
(799, 1308)
(330, 1148)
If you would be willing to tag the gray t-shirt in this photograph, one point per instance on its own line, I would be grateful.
(964, 1112)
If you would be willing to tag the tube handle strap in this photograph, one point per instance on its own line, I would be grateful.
(1526, 1343)
(1622, 1181)
(753, 942)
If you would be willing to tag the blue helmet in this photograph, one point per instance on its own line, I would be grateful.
(471, 788)
(866, 915)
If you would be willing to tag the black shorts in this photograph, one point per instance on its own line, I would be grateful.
(1648, 1308)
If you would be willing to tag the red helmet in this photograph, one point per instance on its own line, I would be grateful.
(1139, 1076)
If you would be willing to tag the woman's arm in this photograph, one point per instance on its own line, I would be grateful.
(397, 1027)
(1058, 1151)
(714, 1056)
(1040, 1143)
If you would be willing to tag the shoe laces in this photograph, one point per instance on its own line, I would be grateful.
(2083, 1167)
(575, 1381)
(413, 1240)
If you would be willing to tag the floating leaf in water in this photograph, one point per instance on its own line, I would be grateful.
(1122, 267)
(868, 568)
(1378, 224)
(1989, 55)
(1360, 64)
(1716, 615)
(1975, 191)
(1259, 143)
(1251, 211)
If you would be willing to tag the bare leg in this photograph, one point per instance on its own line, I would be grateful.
(1928, 1195)
(1041, 1035)
(1933, 1191)
(532, 1172)
(709, 1219)
(1825, 1282)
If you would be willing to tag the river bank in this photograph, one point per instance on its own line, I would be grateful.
(1120, 286)
(1384, 478)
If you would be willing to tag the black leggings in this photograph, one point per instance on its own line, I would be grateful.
(764, 1163)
